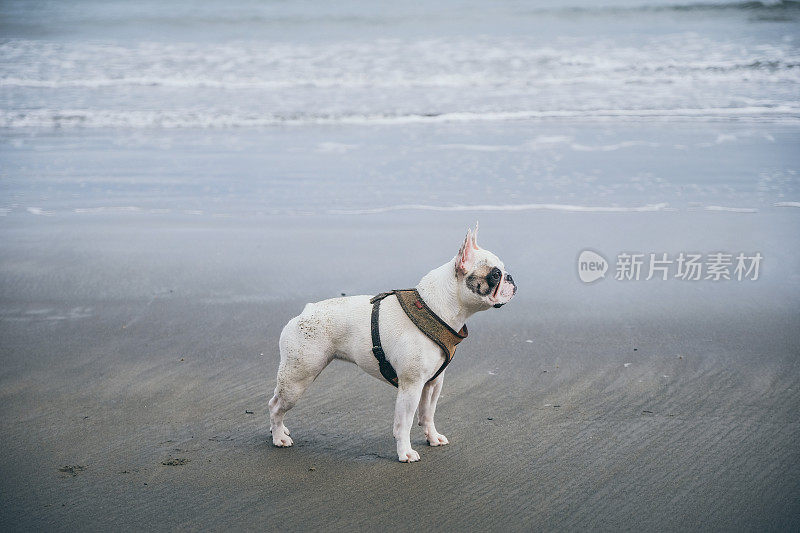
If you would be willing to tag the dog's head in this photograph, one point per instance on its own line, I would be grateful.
(482, 278)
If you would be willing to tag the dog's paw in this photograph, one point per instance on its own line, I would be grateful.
(281, 438)
(282, 442)
(437, 439)
(409, 456)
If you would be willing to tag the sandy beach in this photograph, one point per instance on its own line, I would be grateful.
(138, 364)
(178, 179)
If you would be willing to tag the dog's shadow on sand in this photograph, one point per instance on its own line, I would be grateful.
(344, 450)
(328, 447)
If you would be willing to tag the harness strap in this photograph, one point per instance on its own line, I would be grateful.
(431, 325)
(425, 319)
(387, 371)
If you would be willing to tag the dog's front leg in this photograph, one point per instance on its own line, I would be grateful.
(427, 408)
(408, 396)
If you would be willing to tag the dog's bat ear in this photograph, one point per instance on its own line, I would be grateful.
(466, 254)
(475, 238)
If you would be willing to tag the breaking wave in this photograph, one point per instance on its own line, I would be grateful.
(170, 120)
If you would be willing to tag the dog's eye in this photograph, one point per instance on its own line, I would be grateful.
(495, 274)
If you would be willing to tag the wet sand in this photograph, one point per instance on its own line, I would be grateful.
(139, 354)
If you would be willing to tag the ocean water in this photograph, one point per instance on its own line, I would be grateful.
(249, 107)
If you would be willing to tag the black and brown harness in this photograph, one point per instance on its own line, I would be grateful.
(428, 323)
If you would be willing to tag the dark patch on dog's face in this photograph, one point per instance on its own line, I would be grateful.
(483, 280)
(494, 276)
(478, 285)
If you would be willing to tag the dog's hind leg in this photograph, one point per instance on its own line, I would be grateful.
(302, 359)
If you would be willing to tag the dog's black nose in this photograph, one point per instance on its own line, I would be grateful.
(510, 280)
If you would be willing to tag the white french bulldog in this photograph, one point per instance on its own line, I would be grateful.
(339, 328)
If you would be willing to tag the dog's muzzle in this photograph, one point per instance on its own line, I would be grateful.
(510, 280)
